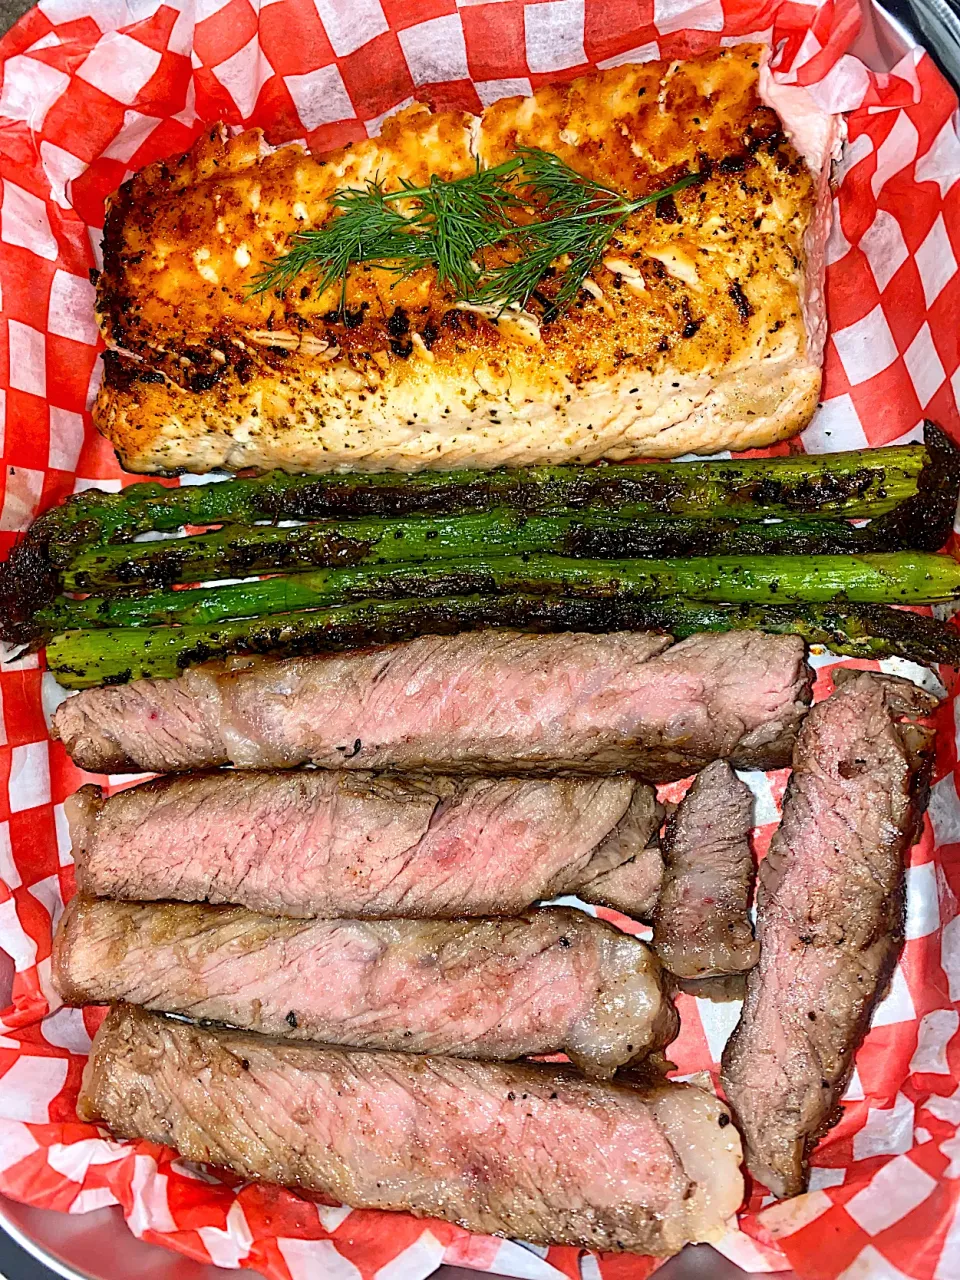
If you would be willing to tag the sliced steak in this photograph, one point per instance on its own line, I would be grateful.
(553, 981)
(830, 918)
(701, 926)
(632, 852)
(535, 1153)
(632, 888)
(484, 702)
(318, 843)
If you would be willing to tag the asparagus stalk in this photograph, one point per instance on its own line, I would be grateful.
(238, 551)
(924, 522)
(892, 578)
(80, 659)
(858, 483)
(904, 577)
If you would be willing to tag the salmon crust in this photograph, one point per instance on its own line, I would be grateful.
(693, 335)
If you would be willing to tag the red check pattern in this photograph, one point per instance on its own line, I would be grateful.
(91, 92)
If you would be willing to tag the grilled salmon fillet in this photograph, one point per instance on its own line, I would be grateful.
(702, 329)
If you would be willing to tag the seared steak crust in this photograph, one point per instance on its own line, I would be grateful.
(319, 843)
(701, 928)
(830, 918)
(553, 981)
(531, 1152)
(485, 702)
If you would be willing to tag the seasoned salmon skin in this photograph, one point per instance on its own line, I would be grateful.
(701, 330)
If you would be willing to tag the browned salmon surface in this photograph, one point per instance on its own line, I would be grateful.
(695, 333)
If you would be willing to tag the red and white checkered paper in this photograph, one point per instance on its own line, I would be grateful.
(94, 89)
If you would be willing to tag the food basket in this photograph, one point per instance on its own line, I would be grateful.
(93, 90)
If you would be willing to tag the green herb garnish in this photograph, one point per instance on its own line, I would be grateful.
(580, 217)
(448, 224)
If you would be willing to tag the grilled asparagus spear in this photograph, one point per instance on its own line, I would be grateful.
(595, 524)
(80, 659)
(858, 483)
(239, 551)
(898, 578)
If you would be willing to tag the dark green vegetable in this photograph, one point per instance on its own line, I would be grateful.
(80, 659)
(900, 577)
(658, 511)
(857, 484)
(242, 550)
(903, 577)
(925, 521)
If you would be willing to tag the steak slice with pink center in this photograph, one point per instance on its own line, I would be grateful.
(533, 1153)
(552, 981)
(322, 843)
(493, 701)
(830, 917)
(701, 926)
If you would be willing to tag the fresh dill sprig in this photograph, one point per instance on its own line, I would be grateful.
(450, 221)
(459, 219)
(560, 190)
(448, 224)
(366, 227)
(580, 217)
